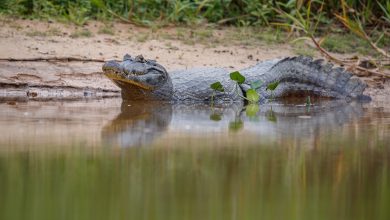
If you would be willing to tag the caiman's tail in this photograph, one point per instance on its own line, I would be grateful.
(303, 76)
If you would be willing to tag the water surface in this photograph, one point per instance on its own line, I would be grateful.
(111, 160)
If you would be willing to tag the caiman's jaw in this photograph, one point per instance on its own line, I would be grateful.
(135, 73)
(114, 71)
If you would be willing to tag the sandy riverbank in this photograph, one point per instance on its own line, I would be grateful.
(31, 39)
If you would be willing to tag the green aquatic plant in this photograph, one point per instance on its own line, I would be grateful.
(256, 84)
(271, 116)
(216, 117)
(236, 76)
(272, 87)
(251, 95)
(216, 87)
(308, 102)
(251, 110)
(236, 125)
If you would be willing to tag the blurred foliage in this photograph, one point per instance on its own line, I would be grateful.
(236, 12)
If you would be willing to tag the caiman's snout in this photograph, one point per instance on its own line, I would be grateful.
(135, 73)
(111, 67)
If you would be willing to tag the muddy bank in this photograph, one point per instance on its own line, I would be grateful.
(45, 80)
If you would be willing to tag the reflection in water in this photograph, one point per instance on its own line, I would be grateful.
(138, 123)
(198, 183)
(283, 162)
(143, 123)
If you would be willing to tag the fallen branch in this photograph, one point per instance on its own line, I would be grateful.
(341, 62)
(356, 28)
(52, 59)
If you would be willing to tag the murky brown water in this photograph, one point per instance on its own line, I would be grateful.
(112, 160)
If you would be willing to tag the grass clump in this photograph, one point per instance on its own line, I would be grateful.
(271, 35)
(36, 34)
(81, 33)
(46, 33)
(345, 43)
(300, 48)
(106, 30)
(142, 37)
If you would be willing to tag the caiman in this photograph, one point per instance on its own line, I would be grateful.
(144, 79)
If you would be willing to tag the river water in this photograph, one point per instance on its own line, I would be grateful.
(105, 159)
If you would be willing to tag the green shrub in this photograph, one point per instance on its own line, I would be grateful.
(237, 12)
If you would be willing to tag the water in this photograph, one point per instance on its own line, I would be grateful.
(111, 160)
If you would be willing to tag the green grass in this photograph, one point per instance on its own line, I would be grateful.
(106, 30)
(149, 12)
(271, 35)
(345, 43)
(209, 36)
(254, 19)
(46, 33)
(300, 48)
(81, 33)
(142, 37)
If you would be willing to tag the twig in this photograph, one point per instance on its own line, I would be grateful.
(360, 32)
(51, 59)
(125, 20)
(373, 45)
(223, 21)
(338, 61)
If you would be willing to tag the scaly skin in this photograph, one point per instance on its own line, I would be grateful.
(142, 79)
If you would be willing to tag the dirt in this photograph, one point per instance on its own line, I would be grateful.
(31, 39)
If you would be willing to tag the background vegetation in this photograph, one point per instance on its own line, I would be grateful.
(371, 13)
(323, 22)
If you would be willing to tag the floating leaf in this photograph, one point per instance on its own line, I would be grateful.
(256, 84)
(252, 95)
(217, 86)
(272, 86)
(252, 109)
(236, 76)
(215, 117)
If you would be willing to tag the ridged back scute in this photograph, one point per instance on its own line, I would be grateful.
(303, 74)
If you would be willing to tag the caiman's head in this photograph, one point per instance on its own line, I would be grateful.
(139, 78)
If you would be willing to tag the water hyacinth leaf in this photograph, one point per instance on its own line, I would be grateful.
(251, 110)
(236, 76)
(256, 84)
(217, 86)
(252, 95)
(272, 86)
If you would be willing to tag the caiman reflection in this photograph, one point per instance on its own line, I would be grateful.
(141, 123)
(138, 123)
